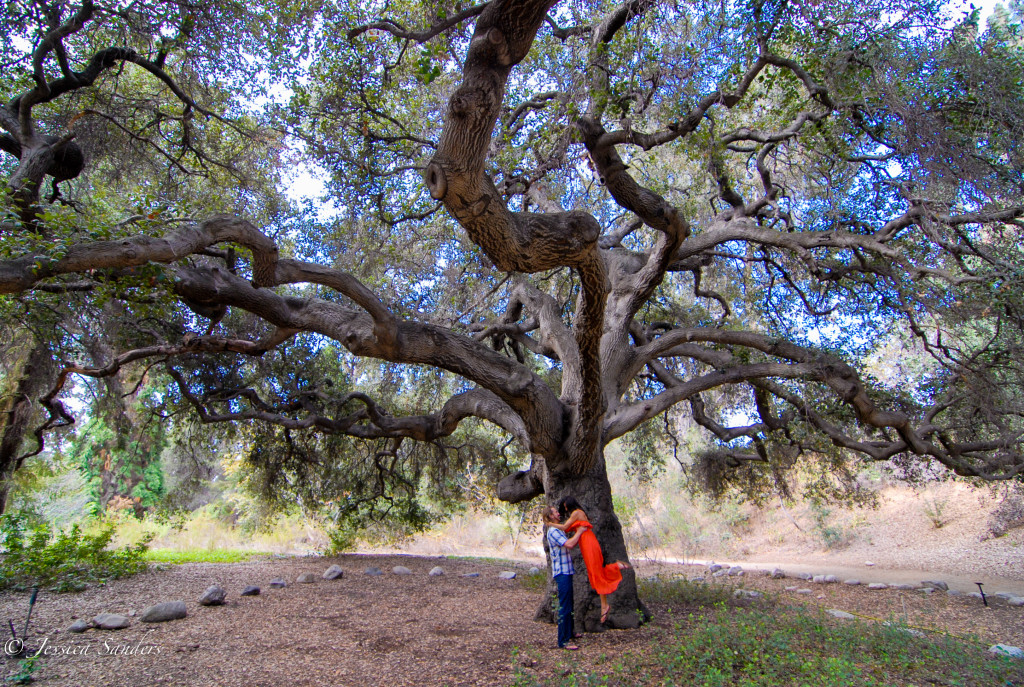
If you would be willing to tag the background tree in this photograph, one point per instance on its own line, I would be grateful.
(717, 208)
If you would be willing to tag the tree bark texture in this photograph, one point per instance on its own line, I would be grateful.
(593, 491)
(18, 410)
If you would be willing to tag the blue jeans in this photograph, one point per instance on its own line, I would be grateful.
(565, 610)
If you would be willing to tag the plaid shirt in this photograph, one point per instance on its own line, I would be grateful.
(561, 562)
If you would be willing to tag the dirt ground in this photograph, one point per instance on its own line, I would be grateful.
(385, 630)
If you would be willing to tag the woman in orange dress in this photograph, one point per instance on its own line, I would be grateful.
(603, 578)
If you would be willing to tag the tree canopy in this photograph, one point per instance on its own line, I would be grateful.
(565, 220)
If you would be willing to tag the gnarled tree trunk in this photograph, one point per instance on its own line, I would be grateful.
(29, 380)
(594, 494)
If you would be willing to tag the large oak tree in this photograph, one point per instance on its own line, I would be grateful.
(563, 219)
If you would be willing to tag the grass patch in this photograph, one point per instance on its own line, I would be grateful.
(720, 645)
(536, 582)
(201, 556)
(679, 592)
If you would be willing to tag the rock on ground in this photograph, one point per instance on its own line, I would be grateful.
(278, 583)
(306, 578)
(251, 590)
(507, 575)
(401, 570)
(436, 571)
(334, 572)
(163, 612)
(842, 615)
(1006, 650)
(111, 621)
(79, 626)
(213, 596)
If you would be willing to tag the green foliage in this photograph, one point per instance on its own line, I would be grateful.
(69, 560)
(26, 667)
(799, 647)
(832, 534)
(118, 450)
(934, 508)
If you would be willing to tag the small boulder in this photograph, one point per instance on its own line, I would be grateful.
(804, 591)
(373, 572)
(213, 596)
(878, 585)
(831, 579)
(164, 612)
(699, 578)
(111, 621)
(533, 571)
(804, 576)
(333, 573)
(852, 583)
(927, 590)
(436, 571)
(306, 578)
(735, 571)
(868, 563)
(1016, 601)
(720, 573)
(1006, 650)
(79, 626)
(936, 584)
(792, 589)
(905, 587)
(818, 579)
(715, 567)
(506, 575)
(278, 583)
(1005, 596)
(251, 590)
(842, 615)
(777, 574)
(954, 592)
(470, 575)
(401, 570)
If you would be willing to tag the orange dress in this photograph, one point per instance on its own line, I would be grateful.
(603, 578)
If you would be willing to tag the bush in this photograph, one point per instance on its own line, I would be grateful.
(37, 556)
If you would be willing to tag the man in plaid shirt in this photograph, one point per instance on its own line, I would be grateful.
(561, 572)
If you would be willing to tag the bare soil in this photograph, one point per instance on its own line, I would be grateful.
(387, 630)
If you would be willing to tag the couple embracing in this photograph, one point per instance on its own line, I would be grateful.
(567, 526)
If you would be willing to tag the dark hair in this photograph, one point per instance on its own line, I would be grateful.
(567, 505)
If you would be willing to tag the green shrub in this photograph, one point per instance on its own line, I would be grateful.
(69, 560)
